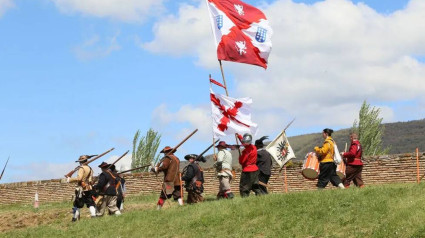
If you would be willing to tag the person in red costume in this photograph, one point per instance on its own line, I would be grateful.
(353, 159)
(248, 161)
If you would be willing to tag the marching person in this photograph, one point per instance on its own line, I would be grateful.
(223, 166)
(354, 164)
(84, 190)
(193, 176)
(264, 163)
(107, 187)
(327, 166)
(121, 188)
(169, 165)
(248, 161)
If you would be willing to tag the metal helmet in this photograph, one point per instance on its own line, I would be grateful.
(247, 138)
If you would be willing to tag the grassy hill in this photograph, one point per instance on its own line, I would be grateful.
(375, 211)
(401, 137)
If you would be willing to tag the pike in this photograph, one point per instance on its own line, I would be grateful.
(68, 175)
(122, 156)
(4, 167)
(289, 124)
(141, 167)
(177, 146)
(205, 151)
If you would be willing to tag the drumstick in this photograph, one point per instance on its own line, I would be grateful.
(345, 150)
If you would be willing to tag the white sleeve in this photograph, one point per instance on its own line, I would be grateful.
(220, 156)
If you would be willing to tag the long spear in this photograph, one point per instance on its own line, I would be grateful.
(4, 167)
(122, 156)
(68, 175)
(205, 151)
(177, 146)
(289, 124)
(141, 167)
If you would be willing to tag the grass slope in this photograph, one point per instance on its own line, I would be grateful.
(375, 211)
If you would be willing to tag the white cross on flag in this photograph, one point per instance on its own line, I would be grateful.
(231, 115)
(280, 149)
(241, 31)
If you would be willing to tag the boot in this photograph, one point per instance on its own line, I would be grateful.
(92, 211)
(230, 195)
(117, 213)
(341, 186)
(180, 200)
(76, 215)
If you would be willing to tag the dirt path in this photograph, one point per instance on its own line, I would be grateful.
(18, 219)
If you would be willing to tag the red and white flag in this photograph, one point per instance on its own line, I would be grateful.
(231, 115)
(241, 31)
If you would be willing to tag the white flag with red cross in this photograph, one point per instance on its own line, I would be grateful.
(231, 115)
(242, 32)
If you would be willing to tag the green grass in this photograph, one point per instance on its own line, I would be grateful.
(375, 211)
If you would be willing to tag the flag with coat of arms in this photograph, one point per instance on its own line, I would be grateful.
(231, 115)
(280, 149)
(242, 32)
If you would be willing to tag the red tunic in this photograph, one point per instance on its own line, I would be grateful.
(248, 158)
(354, 154)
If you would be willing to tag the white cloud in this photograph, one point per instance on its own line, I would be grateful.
(188, 33)
(198, 117)
(5, 5)
(95, 47)
(123, 10)
(327, 58)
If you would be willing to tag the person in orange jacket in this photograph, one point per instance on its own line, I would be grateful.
(327, 166)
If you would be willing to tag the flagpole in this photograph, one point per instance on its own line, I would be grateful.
(227, 94)
(224, 80)
(285, 180)
(213, 139)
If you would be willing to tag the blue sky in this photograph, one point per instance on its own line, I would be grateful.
(79, 79)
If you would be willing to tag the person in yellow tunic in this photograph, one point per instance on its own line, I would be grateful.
(327, 166)
(84, 190)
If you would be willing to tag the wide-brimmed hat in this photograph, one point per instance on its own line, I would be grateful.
(166, 149)
(190, 156)
(84, 158)
(103, 165)
(221, 144)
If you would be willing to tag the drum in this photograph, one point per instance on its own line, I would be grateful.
(311, 166)
(340, 170)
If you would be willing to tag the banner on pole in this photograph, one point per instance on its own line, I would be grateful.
(242, 32)
(280, 149)
(231, 115)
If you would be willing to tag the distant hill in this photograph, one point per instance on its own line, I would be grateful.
(402, 137)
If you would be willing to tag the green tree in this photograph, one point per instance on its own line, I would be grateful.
(145, 149)
(370, 130)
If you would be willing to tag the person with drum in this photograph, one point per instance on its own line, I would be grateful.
(353, 158)
(327, 165)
